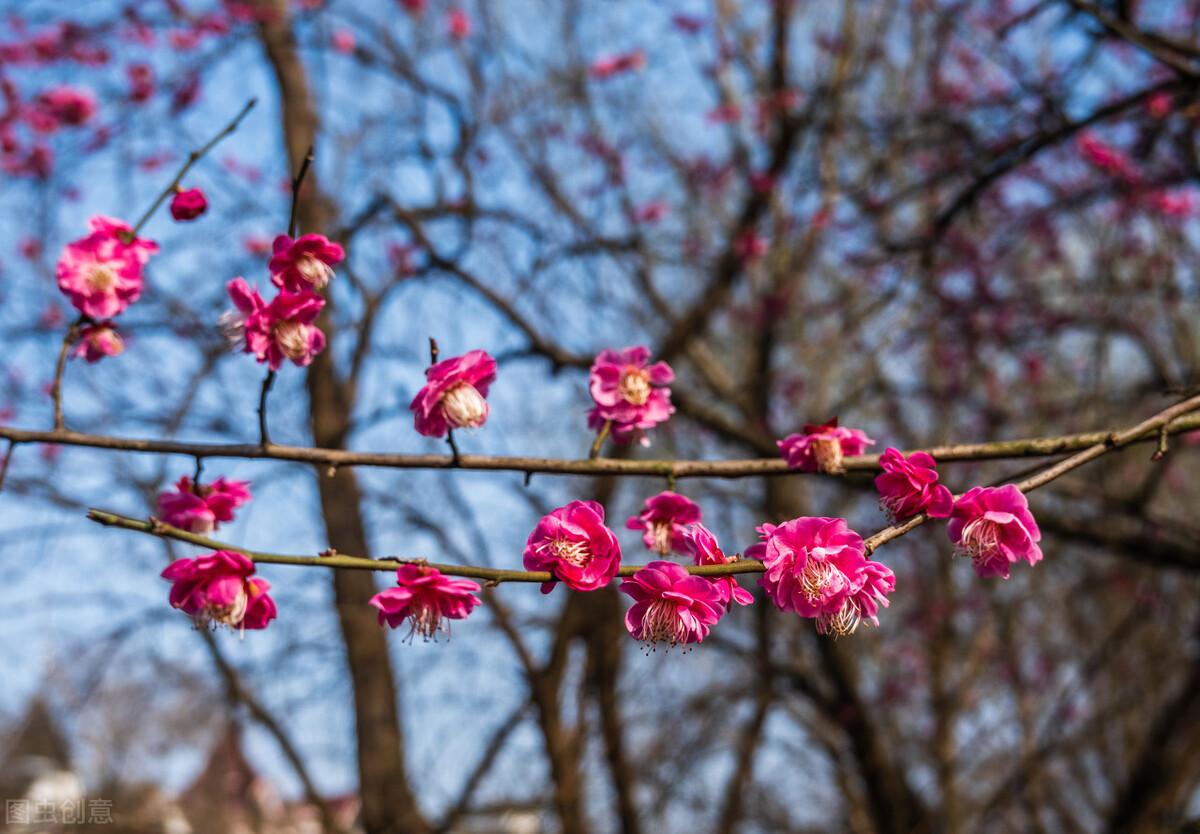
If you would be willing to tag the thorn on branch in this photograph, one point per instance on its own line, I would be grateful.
(528, 477)
(12, 445)
(456, 459)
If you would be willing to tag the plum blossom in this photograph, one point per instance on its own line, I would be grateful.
(305, 263)
(277, 331)
(97, 341)
(909, 486)
(101, 274)
(664, 520)
(458, 24)
(993, 525)
(201, 508)
(575, 546)
(218, 589)
(703, 546)
(610, 65)
(61, 106)
(427, 598)
(1105, 157)
(453, 396)
(669, 605)
(820, 448)
(817, 567)
(188, 204)
(630, 393)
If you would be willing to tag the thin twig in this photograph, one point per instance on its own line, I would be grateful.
(60, 368)
(264, 438)
(297, 183)
(594, 452)
(192, 158)
(8, 454)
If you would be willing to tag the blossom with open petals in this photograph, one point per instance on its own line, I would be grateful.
(427, 598)
(454, 393)
(910, 485)
(277, 331)
(220, 589)
(200, 508)
(101, 274)
(629, 392)
(993, 525)
(663, 521)
(817, 567)
(305, 263)
(669, 605)
(575, 546)
(820, 448)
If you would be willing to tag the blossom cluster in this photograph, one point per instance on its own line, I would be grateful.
(284, 328)
(101, 274)
(815, 567)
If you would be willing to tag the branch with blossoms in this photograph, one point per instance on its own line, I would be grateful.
(816, 567)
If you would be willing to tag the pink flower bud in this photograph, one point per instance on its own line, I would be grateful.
(188, 204)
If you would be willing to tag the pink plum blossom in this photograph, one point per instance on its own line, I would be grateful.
(453, 396)
(993, 525)
(101, 274)
(703, 546)
(458, 24)
(909, 486)
(610, 65)
(664, 520)
(817, 567)
(427, 598)
(97, 341)
(188, 204)
(277, 331)
(344, 41)
(200, 508)
(1105, 157)
(61, 106)
(1174, 203)
(575, 546)
(305, 263)
(218, 589)
(820, 448)
(669, 605)
(630, 393)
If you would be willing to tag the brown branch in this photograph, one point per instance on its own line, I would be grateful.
(60, 367)
(746, 468)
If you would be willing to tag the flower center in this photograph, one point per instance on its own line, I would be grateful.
(230, 615)
(662, 536)
(980, 539)
(574, 553)
(101, 278)
(464, 407)
(635, 386)
(314, 270)
(662, 623)
(827, 451)
(816, 578)
(292, 338)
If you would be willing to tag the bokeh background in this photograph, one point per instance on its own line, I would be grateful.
(939, 221)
